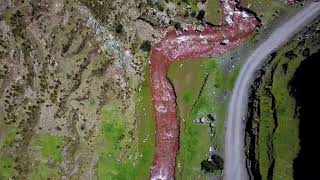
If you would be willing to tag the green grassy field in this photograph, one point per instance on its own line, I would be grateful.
(45, 155)
(286, 141)
(265, 9)
(194, 138)
(146, 133)
(282, 140)
(214, 12)
(227, 81)
(197, 83)
(124, 151)
(8, 135)
(5, 165)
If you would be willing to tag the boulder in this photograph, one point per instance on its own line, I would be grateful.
(212, 116)
(200, 28)
(200, 120)
(225, 42)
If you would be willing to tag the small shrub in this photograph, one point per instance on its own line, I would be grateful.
(216, 163)
(160, 7)
(186, 13)
(306, 52)
(146, 46)
(118, 28)
(193, 14)
(201, 14)
(290, 55)
(177, 25)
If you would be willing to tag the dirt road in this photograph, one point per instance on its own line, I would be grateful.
(234, 141)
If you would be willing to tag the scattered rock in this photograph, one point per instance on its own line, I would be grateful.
(212, 151)
(200, 28)
(185, 27)
(212, 125)
(225, 42)
(212, 116)
(200, 120)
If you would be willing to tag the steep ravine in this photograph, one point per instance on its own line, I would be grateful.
(260, 94)
(274, 118)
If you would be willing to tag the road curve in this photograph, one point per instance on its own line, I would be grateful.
(234, 139)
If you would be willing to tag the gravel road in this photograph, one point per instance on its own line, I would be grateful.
(234, 141)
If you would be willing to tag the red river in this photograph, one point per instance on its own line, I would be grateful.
(178, 45)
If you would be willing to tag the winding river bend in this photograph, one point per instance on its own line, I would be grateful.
(178, 45)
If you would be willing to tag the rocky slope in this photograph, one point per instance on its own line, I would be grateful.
(59, 67)
(71, 92)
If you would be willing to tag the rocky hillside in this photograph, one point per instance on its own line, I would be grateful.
(72, 95)
(59, 67)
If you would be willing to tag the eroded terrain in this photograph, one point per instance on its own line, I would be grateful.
(75, 85)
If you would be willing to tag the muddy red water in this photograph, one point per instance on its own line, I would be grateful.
(178, 45)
